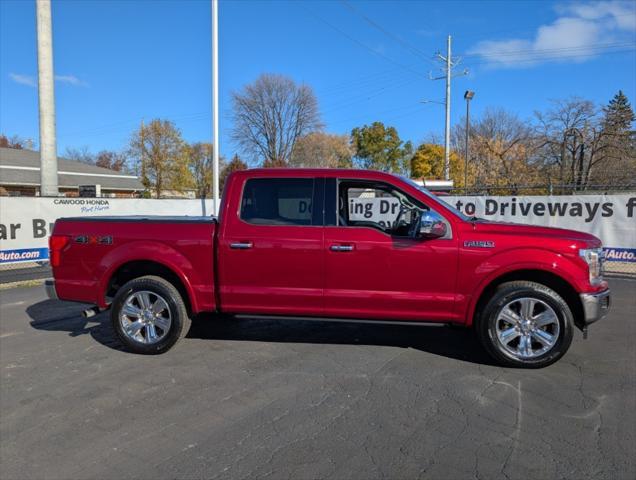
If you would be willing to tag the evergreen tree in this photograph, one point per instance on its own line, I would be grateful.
(235, 164)
(618, 114)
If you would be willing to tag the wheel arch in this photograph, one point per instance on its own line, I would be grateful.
(548, 278)
(139, 268)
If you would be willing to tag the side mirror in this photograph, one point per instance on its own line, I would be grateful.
(431, 226)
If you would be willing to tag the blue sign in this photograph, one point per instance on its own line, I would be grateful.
(620, 254)
(24, 255)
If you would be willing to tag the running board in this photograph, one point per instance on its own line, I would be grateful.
(345, 320)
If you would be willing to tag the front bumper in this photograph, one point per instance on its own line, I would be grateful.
(49, 286)
(595, 306)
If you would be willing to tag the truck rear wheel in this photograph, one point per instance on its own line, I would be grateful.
(149, 315)
(526, 324)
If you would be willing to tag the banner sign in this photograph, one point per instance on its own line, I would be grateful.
(383, 211)
(26, 222)
(612, 218)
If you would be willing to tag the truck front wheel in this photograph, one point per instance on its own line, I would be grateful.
(148, 315)
(525, 324)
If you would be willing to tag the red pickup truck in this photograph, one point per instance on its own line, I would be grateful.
(339, 244)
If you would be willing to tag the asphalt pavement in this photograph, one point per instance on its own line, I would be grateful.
(304, 400)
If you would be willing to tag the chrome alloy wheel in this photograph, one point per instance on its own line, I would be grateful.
(527, 328)
(145, 317)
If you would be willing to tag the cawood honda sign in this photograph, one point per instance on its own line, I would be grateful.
(26, 223)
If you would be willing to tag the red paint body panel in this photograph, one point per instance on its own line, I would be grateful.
(185, 248)
(291, 270)
(385, 277)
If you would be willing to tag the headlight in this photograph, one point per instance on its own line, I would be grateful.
(594, 258)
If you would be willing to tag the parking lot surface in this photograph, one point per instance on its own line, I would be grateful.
(292, 399)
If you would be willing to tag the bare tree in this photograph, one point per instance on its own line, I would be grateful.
(503, 147)
(16, 142)
(320, 149)
(199, 157)
(111, 160)
(575, 141)
(82, 154)
(270, 115)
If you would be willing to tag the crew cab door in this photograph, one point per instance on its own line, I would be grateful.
(374, 268)
(271, 247)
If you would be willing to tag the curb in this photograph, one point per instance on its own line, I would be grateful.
(22, 283)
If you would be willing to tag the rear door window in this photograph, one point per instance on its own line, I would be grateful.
(278, 201)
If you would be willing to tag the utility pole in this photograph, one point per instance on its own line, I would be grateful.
(46, 97)
(215, 104)
(449, 64)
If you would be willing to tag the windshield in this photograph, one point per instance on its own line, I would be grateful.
(434, 198)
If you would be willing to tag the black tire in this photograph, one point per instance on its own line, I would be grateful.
(159, 288)
(506, 294)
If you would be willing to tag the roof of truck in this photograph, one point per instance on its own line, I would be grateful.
(318, 172)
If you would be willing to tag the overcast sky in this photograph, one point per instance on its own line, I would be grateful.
(119, 61)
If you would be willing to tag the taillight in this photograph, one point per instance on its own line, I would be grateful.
(57, 243)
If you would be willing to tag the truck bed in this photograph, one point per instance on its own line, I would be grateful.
(100, 248)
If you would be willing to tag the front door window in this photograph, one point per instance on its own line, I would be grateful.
(377, 205)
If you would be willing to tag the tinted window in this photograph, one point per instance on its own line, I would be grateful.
(278, 201)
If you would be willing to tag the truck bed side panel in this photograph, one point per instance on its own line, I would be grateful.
(87, 265)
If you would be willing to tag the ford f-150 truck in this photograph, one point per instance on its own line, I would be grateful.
(338, 244)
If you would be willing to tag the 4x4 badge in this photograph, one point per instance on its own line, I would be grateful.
(479, 243)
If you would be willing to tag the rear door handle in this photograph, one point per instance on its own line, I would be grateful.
(341, 248)
(241, 245)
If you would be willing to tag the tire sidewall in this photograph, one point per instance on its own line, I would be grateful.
(507, 295)
(175, 305)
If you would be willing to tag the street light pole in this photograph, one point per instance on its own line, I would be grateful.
(448, 110)
(215, 104)
(468, 96)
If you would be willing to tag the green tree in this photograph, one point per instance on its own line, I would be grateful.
(235, 164)
(161, 162)
(380, 148)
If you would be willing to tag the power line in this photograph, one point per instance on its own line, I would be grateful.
(391, 35)
(366, 80)
(550, 50)
(358, 42)
(540, 58)
(115, 127)
(353, 101)
(414, 108)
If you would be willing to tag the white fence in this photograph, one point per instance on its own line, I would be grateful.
(612, 218)
(25, 223)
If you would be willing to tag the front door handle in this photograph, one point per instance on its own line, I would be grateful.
(241, 245)
(341, 248)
